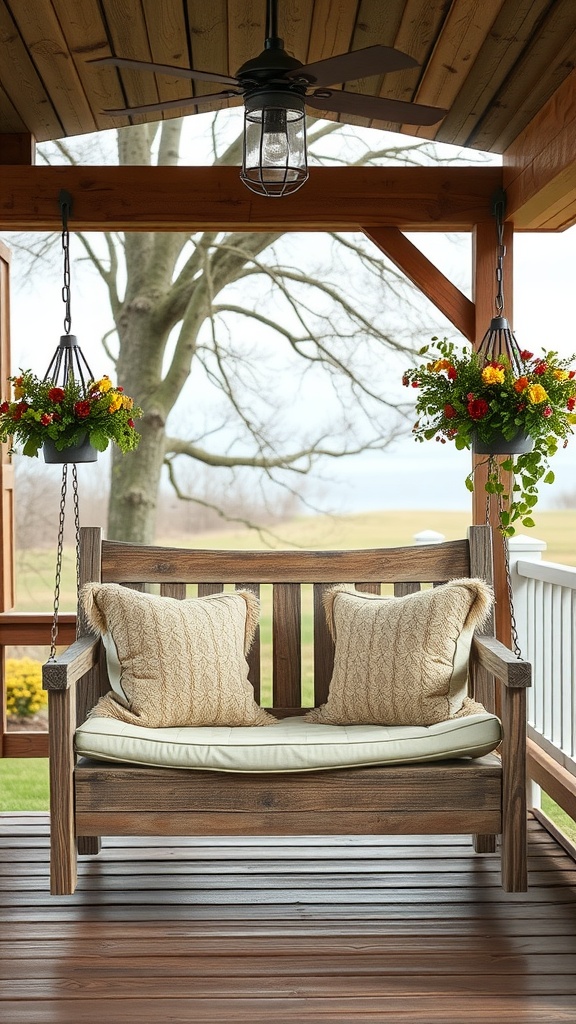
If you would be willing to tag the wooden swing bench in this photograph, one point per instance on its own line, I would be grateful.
(483, 796)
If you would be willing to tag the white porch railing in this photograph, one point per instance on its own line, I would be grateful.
(545, 610)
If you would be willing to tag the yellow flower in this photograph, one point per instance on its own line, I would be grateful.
(115, 404)
(441, 364)
(492, 375)
(127, 402)
(104, 385)
(536, 394)
(561, 374)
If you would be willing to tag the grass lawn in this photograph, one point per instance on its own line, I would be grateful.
(24, 784)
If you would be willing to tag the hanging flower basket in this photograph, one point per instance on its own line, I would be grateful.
(518, 444)
(83, 451)
(62, 420)
(523, 411)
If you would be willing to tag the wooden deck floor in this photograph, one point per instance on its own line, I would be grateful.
(277, 930)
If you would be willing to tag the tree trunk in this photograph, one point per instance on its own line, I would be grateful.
(135, 484)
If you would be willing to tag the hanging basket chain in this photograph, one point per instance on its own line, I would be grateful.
(494, 467)
(499, 207)
(65, 208)
(59, 551)
(77, 541)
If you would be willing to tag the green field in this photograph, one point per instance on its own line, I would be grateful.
(35, 569)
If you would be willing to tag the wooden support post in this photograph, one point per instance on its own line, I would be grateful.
(7, 579)
(17, 148)
(484, 276)
(7, 576)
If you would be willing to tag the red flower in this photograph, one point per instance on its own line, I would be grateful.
(4, 407)
(477, 408)
(525, 354)
(450, 412)
(46, 418)
(56, 394)
(452, 374)
(570, 404)
(415, 384)
(547, 411)
(572, 374)
(540, 368)
(19, 410)
(131, 423)
(82, 409)
(120, 389)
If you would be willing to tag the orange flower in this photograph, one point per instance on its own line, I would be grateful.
(521, 384)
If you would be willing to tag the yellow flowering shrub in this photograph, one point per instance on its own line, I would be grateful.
(24, 693)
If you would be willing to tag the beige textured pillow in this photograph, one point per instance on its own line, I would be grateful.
(401, 660)
(176, 663)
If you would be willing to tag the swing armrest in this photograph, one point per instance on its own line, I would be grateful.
(79, 658)
(501, 662)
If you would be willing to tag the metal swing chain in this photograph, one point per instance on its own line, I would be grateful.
(492, 467)
(54, 633)
(77, 540)
(60, 550)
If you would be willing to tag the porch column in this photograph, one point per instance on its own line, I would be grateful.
(484, 253)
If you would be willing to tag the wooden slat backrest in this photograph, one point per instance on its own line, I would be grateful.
(288, 571)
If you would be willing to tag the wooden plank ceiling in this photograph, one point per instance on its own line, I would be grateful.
(492, 63)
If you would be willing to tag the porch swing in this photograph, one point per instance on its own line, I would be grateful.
(157, 723)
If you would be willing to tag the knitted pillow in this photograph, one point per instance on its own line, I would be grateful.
(402, 660)
(176, 663)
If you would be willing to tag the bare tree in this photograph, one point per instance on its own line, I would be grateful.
(292, 351)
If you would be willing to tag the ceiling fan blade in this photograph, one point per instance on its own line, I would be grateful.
(164, 69)
(377, 108)
(190, 101)
(346, 67)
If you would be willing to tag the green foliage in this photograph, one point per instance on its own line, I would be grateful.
(461, 398)
(65, 415)
(24, 693)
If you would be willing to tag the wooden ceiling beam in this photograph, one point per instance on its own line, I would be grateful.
(540, 166)
(213, 198)
(455, 306)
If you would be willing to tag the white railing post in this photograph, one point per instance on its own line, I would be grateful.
(428, 537)
(528, 549)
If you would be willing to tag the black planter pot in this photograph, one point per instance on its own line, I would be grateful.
(498, 445)
(82, 452)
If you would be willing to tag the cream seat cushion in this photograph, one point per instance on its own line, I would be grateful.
(176, 663)
(401, 660)
(293, 746)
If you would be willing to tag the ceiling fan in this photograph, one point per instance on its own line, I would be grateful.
(276, 89)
